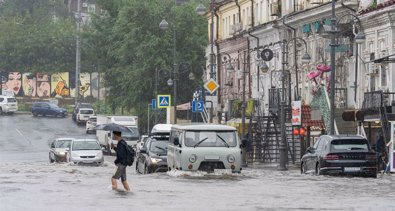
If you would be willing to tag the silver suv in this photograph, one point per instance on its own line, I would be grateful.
(8, 104)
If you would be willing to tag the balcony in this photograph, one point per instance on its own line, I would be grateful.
(376, 102)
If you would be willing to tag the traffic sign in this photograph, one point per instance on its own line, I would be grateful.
(194, 106)
(211, 86)
(153, 102)
(163, 101)
(199, 106)
(267, 54)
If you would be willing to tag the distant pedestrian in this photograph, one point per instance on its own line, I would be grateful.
(120, 162)
(380, 152)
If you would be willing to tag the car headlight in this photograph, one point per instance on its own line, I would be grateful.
(155, 160)
(192, 158)
(61, 153)
(231, 159)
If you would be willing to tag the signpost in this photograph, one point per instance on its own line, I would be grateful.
(267, 54)
(211, 86)
(153, 102)
(392, 148)
(197, 106)
(164, 101)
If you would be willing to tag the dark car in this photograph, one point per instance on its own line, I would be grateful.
(77, 108)
(340, 154)
(48, 109)
(152, 157)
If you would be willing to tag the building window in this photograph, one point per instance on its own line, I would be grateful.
(383, 75)
(372, 83)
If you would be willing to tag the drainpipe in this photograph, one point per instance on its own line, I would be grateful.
(297, 97)
(218, 55)
(257, 47)
(238, 5)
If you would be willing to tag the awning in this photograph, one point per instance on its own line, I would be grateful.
(385, 59)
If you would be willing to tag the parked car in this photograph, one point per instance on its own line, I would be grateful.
(340, 154)
(85, 151)
(84, 114)
(141, 142)
(58, 149)
(203, 147)
(48, 109)
(77, 108)
(152, 157)
(91, 124)
(8, 104)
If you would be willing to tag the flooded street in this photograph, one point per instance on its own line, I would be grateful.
(29, 182)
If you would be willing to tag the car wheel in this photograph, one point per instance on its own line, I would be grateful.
(303, 168)
(50, 159)
(1, 111)
(317, 169)
(137, 166)
(146, 169)
(35, 114)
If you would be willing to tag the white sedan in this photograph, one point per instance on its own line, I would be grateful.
(85, 151)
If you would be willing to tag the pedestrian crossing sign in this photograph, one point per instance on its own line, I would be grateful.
(163, 101)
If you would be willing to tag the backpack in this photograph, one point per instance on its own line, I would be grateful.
(130, 154)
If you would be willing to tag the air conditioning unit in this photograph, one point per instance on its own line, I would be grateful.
(238, 27)
(232, 30)
(274, 9)
(239, 74)
(249, 21)
(84, 5)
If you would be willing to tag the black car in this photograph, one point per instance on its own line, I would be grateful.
(340, 154)
(152, 157)
(77, 108)
(48, 109)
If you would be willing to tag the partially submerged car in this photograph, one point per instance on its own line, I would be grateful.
(203, 147)
(58, 149)
(340, 154)
(85, 151)
(152, 157)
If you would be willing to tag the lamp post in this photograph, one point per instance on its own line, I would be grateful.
(78, 54)
(359, 38)
(157, 72)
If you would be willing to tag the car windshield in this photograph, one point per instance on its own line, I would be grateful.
(86, 111)
(53, 105)
(11, 100)
(63, 143)
(349, 144)
(85, 145)
(133, 133)
(159, 147)
(210, 139)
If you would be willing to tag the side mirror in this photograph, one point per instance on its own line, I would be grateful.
(144, 150)
(310, 149)
(176, 141)
(103, 148)
(67, 149)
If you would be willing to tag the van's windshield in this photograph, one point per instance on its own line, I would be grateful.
(210, 139)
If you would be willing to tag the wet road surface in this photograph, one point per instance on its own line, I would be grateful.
(29, 182)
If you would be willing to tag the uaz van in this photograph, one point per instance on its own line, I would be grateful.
(204, 148)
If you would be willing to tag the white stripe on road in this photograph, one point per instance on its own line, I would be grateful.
(20, 133)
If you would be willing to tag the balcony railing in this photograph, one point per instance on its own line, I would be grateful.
(373, 101)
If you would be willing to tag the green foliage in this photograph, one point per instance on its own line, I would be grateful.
(36, 35)
(131, 46)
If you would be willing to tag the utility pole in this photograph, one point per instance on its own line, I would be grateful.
(78, 54)
(98, 88)
(333, 69)
(283, 142)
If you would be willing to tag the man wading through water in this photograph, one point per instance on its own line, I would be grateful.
(120, 162)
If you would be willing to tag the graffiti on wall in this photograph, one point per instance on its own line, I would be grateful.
(46, 85)
(60, 85)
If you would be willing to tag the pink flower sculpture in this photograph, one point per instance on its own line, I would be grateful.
(323, 68)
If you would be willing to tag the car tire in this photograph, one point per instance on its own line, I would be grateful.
(1, 111)
(146, 169)
(303, 168)
(137, 166)
(35, 114)
(317, 169)
(50, 159)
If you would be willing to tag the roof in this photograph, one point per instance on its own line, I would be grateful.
(67, 138)
(204, 127)
(161, 128)
(85, 139)
(345, 136)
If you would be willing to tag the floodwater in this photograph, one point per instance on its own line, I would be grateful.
(29, 182)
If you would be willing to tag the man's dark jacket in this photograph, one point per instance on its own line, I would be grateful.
(121, 153)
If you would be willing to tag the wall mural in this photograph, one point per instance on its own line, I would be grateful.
(45, 85)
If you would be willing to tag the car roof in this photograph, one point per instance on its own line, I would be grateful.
(161, 128)
(344, 136)
(204, 127)
(6, 96)
(61, 139)
(85, 139)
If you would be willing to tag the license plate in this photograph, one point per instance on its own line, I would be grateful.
(352, 169)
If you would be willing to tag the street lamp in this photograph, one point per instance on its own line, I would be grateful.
(359, 38)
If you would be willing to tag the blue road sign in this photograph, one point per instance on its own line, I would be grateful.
(153, 102)
(163, 101)
(200, 106)
(194, 106)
